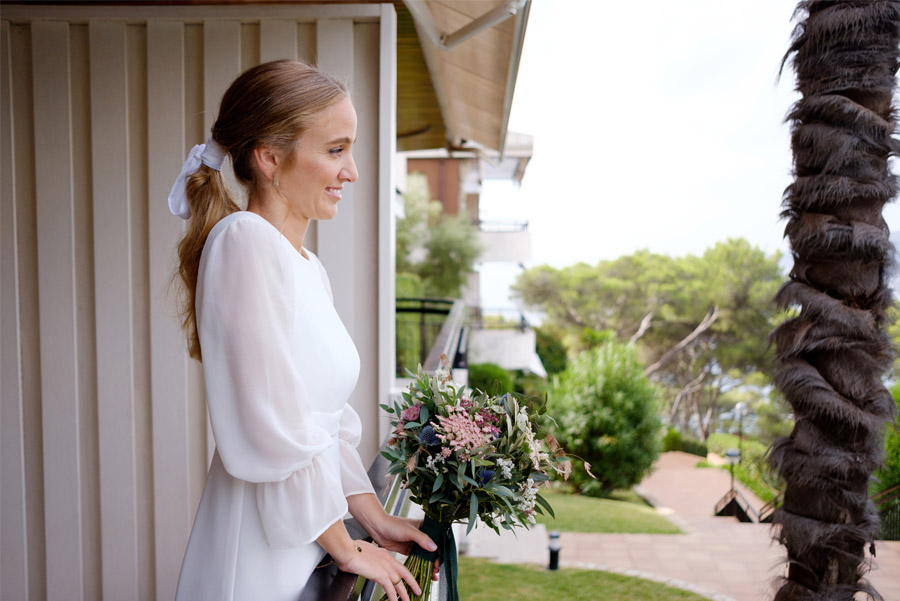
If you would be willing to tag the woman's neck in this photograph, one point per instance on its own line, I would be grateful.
(291, 226)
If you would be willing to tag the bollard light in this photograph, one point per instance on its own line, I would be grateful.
(554, 547)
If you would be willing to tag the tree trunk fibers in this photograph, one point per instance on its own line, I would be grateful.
(833, 354)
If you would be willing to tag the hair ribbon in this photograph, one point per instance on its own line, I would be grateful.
(210, 154)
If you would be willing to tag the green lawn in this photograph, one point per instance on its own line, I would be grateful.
(481, 580)
(576, 513)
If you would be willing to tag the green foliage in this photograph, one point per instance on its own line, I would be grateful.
(607, 413)
(753, 470)
(889, 473)
(490, 378)
(694, 447)
(659, 301)
(440, 249)
(774, 418)
(529, 385)
(578, 513)
(487, 581)
(550, 348)
(672, 441)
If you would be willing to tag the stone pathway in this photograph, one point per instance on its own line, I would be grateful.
(719, 558)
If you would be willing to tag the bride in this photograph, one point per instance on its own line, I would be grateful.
(278, 363)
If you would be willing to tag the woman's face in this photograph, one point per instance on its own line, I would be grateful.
(313, 183)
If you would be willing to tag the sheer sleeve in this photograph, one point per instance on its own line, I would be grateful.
(354, 479)
(258, 407)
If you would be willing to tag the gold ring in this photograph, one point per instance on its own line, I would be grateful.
(399, 578)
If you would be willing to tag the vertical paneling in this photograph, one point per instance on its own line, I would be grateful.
(250, 45)
(172, 508)
(103, 434)
(306, 52)
(387, 149)
(138, 124)
(277, 39)
(365, 227)
(221, 65)
(13, 541)
(29, 323)
(56, 282)
(113, 306)
(85, 329)
(337, 237)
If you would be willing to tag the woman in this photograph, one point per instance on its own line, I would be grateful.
(278, 364)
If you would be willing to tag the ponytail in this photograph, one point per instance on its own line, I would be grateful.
(210, 201)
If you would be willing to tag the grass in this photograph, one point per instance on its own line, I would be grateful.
(624, 512)
(481, 580)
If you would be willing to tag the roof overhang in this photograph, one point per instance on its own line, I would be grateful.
(472, 50)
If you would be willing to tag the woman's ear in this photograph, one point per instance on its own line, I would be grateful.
(267, 162)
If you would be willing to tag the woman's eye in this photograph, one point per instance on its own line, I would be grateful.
(336, 150)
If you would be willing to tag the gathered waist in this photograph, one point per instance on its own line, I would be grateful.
(330, 421)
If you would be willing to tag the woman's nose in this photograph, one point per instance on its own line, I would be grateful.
(349, 173)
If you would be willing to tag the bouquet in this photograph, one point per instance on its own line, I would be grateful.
(464, 455)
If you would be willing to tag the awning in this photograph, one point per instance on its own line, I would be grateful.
(471, 50)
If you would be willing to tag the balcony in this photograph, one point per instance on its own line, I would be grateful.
(505, 241)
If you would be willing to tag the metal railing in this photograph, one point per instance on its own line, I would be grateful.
(734, 503)
(888, 504)
(419, 324)
(327, 583)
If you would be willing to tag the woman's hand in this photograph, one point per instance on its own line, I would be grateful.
(393, 533)
(379, 565)
(369, 561)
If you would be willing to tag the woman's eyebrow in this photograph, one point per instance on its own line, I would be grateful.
(344, 140)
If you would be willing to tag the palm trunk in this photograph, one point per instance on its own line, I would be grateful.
(833, 355)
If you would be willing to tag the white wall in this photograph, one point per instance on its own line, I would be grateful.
(104, 442)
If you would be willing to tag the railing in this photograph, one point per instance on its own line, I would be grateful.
(327, 583)
(497, 225)
(888, 504)
(767, 513)
(419, 323)
(734, 503)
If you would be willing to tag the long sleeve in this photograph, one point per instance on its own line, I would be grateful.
(354, 479)
(259, 408)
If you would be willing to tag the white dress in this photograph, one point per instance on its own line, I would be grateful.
(279, 367)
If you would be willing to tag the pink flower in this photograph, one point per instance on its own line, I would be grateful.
(461, 432)
(411, 414)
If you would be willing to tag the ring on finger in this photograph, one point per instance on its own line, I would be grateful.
(399, 579)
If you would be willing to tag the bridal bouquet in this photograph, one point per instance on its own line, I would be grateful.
(464, 455)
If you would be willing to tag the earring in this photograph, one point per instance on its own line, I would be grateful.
(275, 180)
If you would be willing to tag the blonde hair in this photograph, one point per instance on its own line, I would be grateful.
(270, 106)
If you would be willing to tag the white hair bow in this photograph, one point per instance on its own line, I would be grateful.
(210, 154)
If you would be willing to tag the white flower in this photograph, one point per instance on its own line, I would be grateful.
(505, 466)
(433, 463)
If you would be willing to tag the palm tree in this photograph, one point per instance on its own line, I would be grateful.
(833, 354)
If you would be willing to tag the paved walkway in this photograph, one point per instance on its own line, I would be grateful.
(720, 558)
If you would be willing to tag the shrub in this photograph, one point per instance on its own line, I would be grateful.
(550, 348)
(607, 412)
(490, 378)
(888, 475)
(672, 440)
(694, 447)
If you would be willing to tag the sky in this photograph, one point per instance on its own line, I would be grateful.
(657, 125)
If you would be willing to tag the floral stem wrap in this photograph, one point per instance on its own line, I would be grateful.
(442, 535)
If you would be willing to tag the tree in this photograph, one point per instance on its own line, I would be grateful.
(607, 413)
(833, 353)
(699, 323)
(441, 249)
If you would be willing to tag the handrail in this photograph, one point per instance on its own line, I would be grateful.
(887, 495)
(448, 339)
(327, 583)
